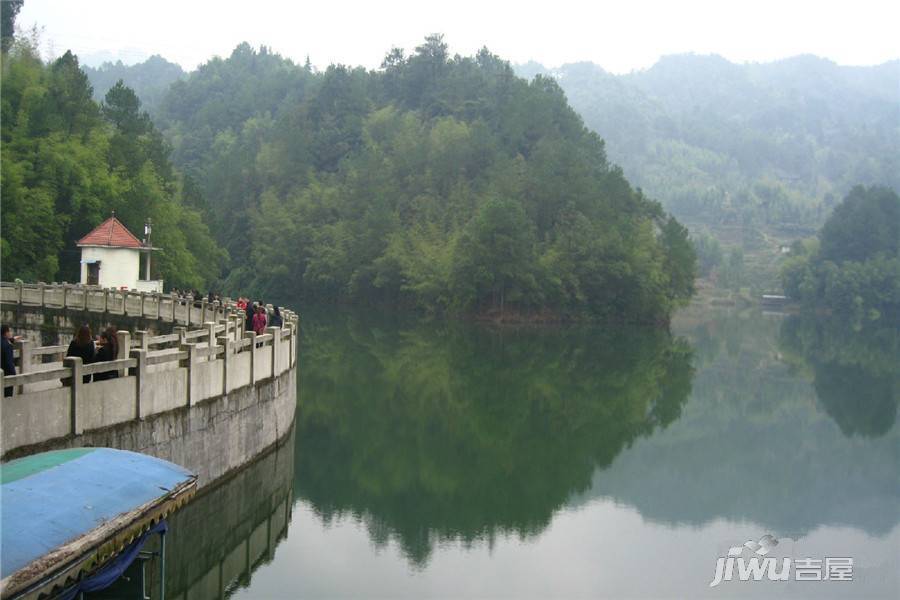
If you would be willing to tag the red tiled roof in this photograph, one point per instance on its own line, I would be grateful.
(111, 233)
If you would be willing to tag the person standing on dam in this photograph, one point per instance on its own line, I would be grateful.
(259, 320)
(9, 361)
(109, 350)
(82, 346)
(250, 311)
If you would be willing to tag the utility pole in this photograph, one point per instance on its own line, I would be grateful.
(148, 229)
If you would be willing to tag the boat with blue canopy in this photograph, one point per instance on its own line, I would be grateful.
(71, 521)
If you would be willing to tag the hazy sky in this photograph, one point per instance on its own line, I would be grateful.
(620, 36)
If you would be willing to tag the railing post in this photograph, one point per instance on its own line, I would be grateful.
(182, 332)
(123, 341)
(191, 349)
(294, 330)
(276, 335)
(105, 301)
(226, 361)
(225, 324)
(174, 304)
(211, 337)
(140, 380)
(238, 327)
(252, 336)
(203, 303)
(158, 297)
(19, 286)
(25, 359)
(75, 365)
(142, 339)
(41, 288)
(84, 305)
(143, 301)
(25, 355)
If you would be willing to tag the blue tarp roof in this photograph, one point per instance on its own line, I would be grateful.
(50, 499)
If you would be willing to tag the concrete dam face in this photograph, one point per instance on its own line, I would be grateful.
(191, 386)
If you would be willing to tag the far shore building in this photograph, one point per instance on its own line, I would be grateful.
(111, 258)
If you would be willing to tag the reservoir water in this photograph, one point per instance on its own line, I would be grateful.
(460, 460)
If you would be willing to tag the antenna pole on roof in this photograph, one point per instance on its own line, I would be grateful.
(148, 229)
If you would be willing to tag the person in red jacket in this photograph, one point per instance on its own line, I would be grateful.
(259, 320)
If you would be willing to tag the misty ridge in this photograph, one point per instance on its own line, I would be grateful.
(775, 143)
(785, 140)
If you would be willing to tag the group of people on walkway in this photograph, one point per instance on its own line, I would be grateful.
(90, 349)
(258, 317)
(194, 297)
(84, 345)
(105, 347)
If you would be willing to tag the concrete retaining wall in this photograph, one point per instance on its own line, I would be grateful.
(217, 540)
(212, 438)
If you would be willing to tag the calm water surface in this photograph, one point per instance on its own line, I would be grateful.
(435, 460)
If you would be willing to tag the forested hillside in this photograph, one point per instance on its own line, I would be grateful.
(774, 144)
(853, 267)
(150, 79)
(437, 182)
(67, 162)
(755, 154)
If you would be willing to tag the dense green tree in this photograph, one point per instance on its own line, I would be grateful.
(854, 268)
(68, 162)
(864, 225)
(680, 261)
(8, 11)
(494, 257)
(121, 107)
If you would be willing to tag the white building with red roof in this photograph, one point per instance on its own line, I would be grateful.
(111, 258)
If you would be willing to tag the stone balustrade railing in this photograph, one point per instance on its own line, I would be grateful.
(156, 373)
(165, 307)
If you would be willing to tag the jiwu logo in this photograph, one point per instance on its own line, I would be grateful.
(756, 567)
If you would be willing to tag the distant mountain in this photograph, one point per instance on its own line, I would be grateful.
(97, 58)
(150, 79)
(771, 145)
